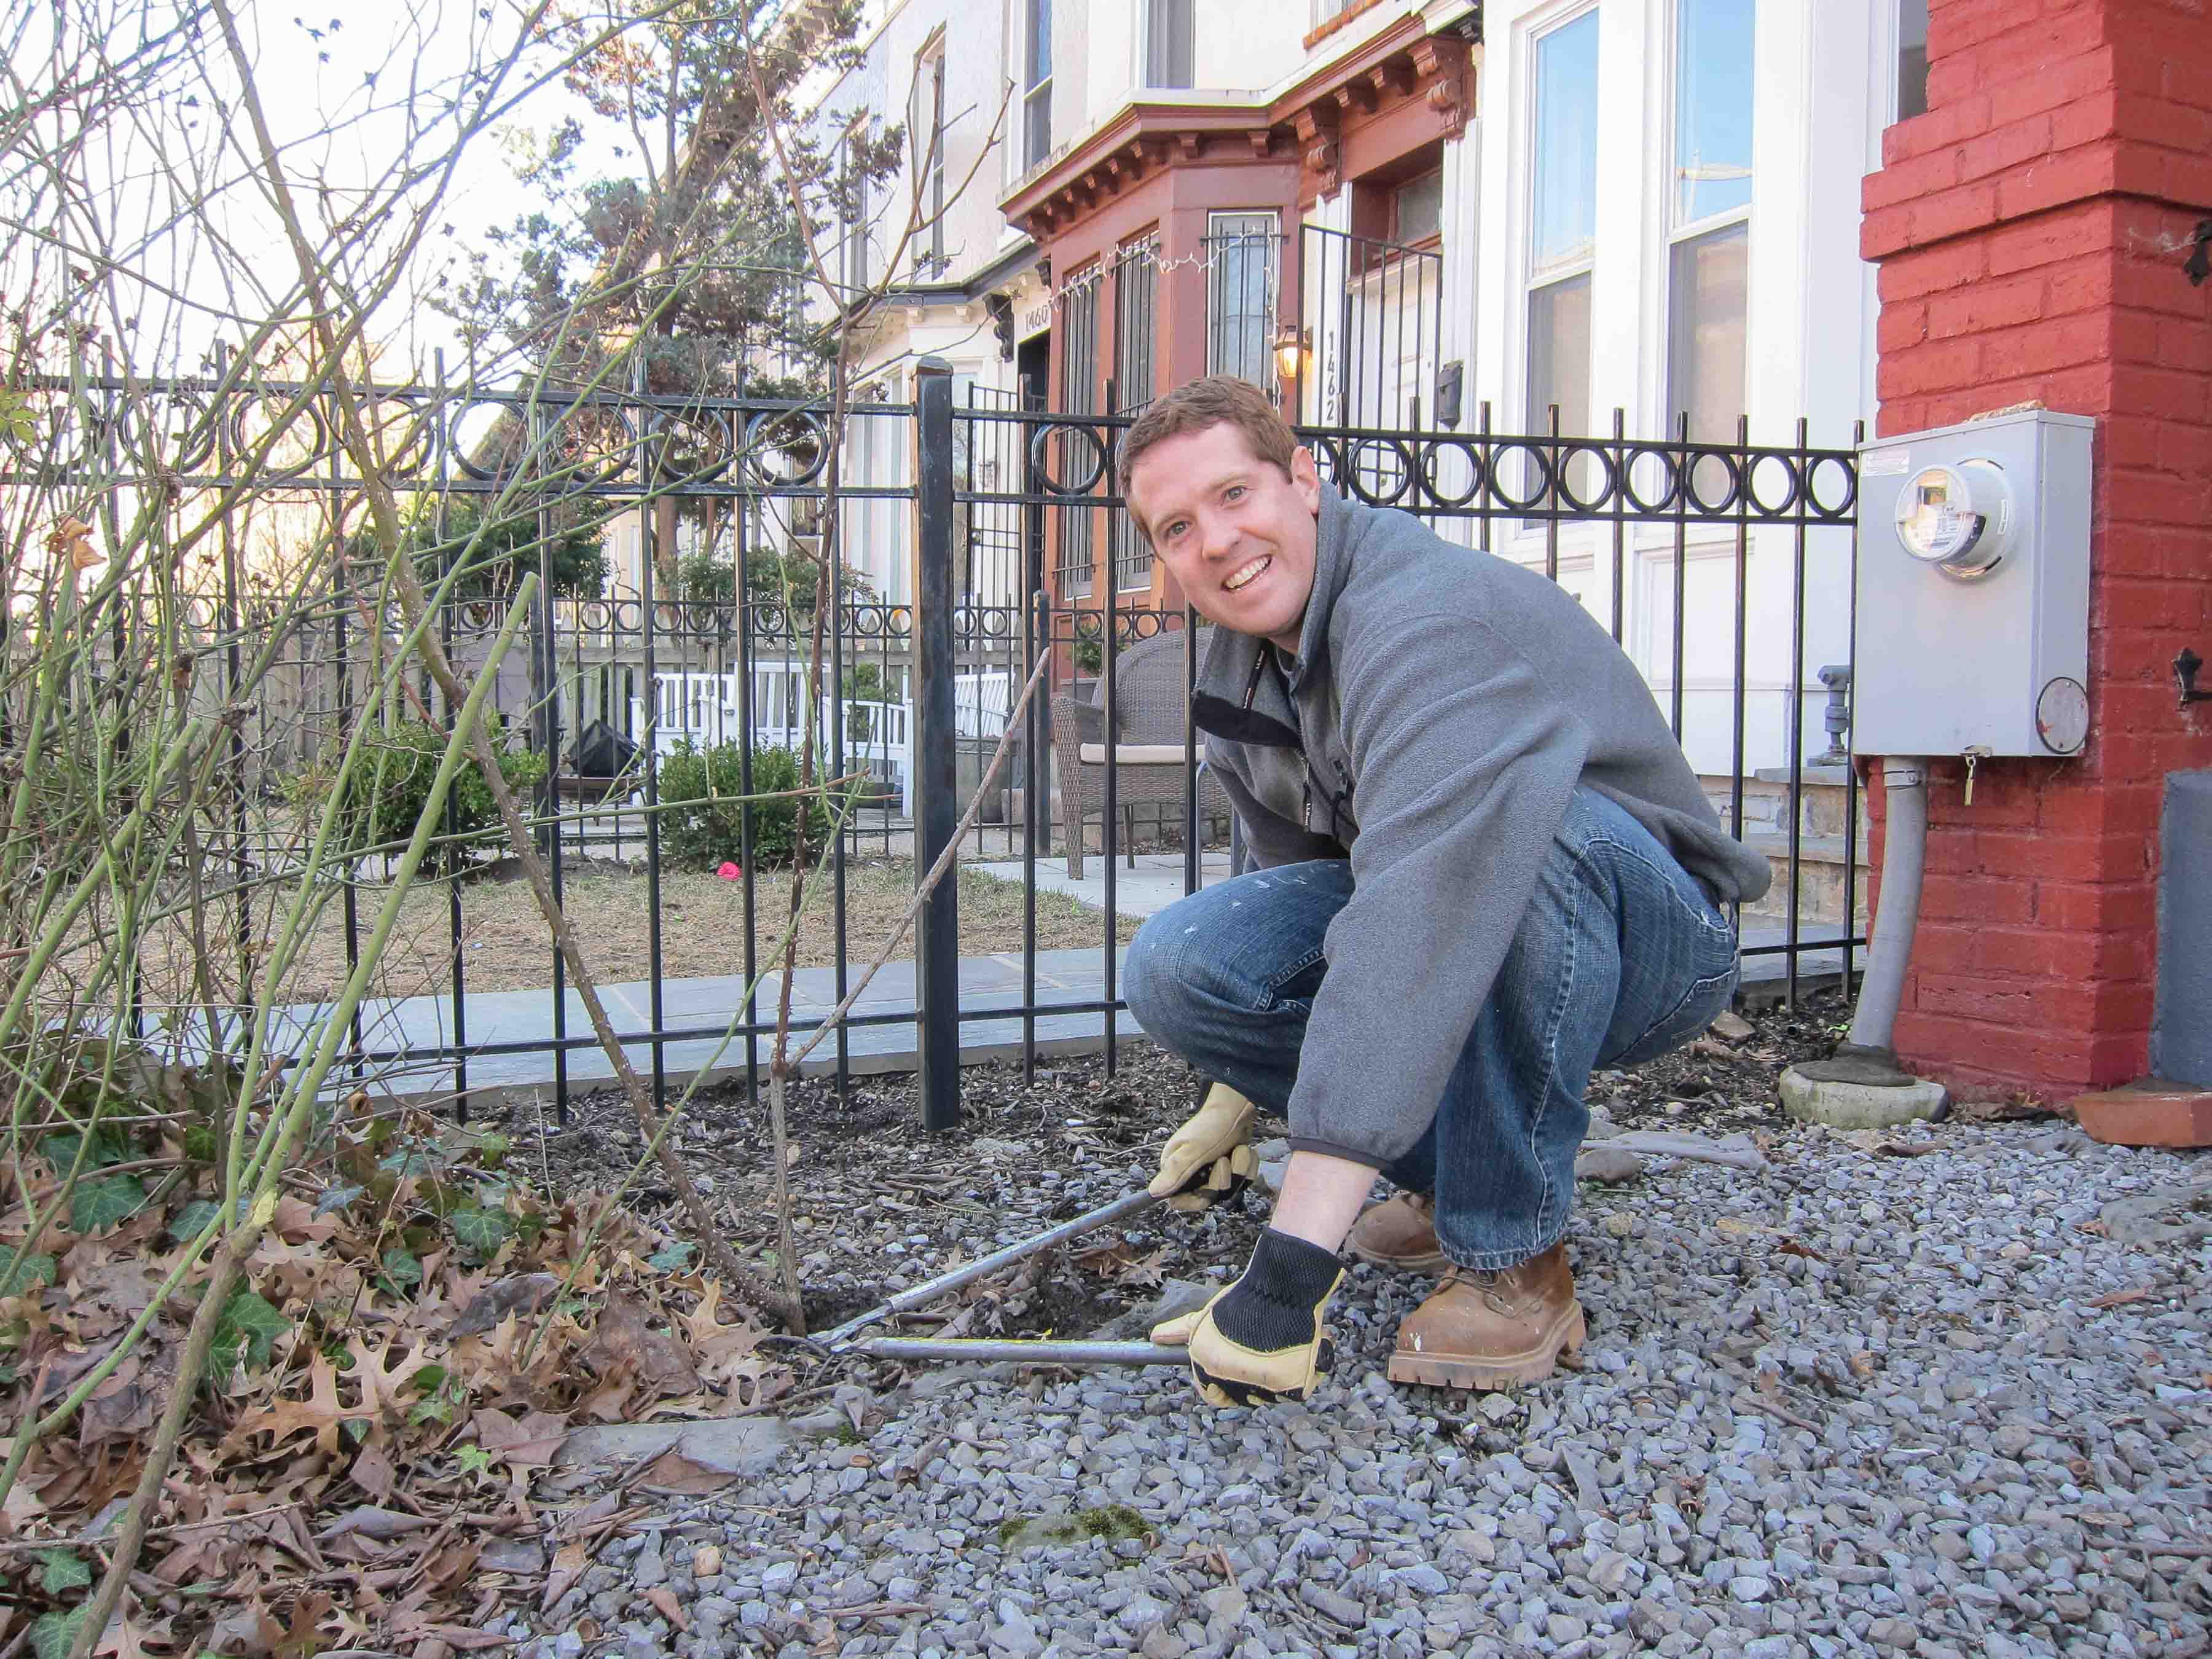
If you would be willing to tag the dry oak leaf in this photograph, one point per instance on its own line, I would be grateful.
(247, 1629)
(124, 1407)
(521, 1293)
(296, 1222)
(320, 1411)
(726, 1353)
(623, 1342)
(670, 1609)
(529, 1444)
(382, 1383)
(568, 1564)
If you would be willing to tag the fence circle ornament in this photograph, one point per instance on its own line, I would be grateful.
(410, 423)
(1538, 462)
(1602, 499)
(501, 438)
(183, 420)
(283, 459)
(687, 447)
(787, 448)
(1042, 451)
(1645, 458)
(1764, 468)
(1432, 455)
(586, 447)
(1381, 469)
(1692, 463)
(1845, 506)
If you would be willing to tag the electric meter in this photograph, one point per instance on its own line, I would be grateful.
(1972, 619)
(1956, 517)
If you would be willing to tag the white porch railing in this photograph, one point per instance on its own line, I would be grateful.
(704, 709)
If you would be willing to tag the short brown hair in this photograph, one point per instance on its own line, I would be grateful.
(1217, 400)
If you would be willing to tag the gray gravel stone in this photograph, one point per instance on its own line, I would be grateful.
(1970, 1407)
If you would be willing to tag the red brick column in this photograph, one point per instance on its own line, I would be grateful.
(2030, 230)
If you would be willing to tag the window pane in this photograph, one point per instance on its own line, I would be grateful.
(1566, 143)
(1073, 456)
(1240, 297)
(1911, 58)
(1037, 124)
(1559, 355)
(1705, 332)
(1416, 211)
(1040, 34)
(1559, 366)
(1136, 288)
(1170, 46)
(1712, 109)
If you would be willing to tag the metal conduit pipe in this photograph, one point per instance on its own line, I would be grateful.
(1904, 857)
(1863, 1085)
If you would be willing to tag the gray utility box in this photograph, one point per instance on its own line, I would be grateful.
(1972, 631)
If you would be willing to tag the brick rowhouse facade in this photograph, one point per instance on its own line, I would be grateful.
(2030, 230)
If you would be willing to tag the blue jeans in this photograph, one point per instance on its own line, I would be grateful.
(1619, 957)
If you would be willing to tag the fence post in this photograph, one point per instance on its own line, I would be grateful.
(936, 805)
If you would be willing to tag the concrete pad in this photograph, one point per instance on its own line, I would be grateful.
(1859, 1105)
(727, 1445)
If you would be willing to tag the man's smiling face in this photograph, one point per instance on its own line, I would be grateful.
(1237, 533)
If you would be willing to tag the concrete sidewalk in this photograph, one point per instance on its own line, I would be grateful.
(701, 1009)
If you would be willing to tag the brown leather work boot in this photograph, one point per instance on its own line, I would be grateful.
(1483, 1330)
(1399, 1233)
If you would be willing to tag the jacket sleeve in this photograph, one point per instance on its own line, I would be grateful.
(1465, 760)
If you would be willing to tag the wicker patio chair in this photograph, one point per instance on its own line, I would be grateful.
(1150, 694)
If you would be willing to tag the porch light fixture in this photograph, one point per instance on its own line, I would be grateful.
(1293, 345)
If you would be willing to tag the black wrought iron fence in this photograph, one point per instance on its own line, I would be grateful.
(701, 658)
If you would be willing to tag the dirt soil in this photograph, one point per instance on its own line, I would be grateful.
(702, 928)
(882, 1204)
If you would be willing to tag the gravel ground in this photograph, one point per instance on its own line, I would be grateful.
(1928, 1392)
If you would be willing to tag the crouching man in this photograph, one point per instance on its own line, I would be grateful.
(1482, 869)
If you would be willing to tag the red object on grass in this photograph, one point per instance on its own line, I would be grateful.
(731, 872)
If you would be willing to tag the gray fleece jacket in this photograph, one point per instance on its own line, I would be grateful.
(1444, 706)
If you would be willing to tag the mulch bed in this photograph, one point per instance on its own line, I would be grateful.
(883, 1204)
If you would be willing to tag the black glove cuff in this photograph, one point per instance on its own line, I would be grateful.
(1272, 1306)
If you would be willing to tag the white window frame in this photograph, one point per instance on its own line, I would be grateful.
(1677, 233)
(1027, 92)
(1272, 302)
(1147, 16)
(928, 139)
(1582, 264)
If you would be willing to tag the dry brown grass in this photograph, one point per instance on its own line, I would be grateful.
(506, 947)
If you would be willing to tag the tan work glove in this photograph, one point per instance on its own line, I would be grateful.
(1210, 1158)
(1261, 1340)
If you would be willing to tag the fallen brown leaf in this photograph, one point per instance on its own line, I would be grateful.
(624, 1343)
(373, 1523)
(529, 1444)
(523, 1293)
(2133, 1293)
(670, 1609)
(672, 1472)
(568, 1564)
(247, 1629)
